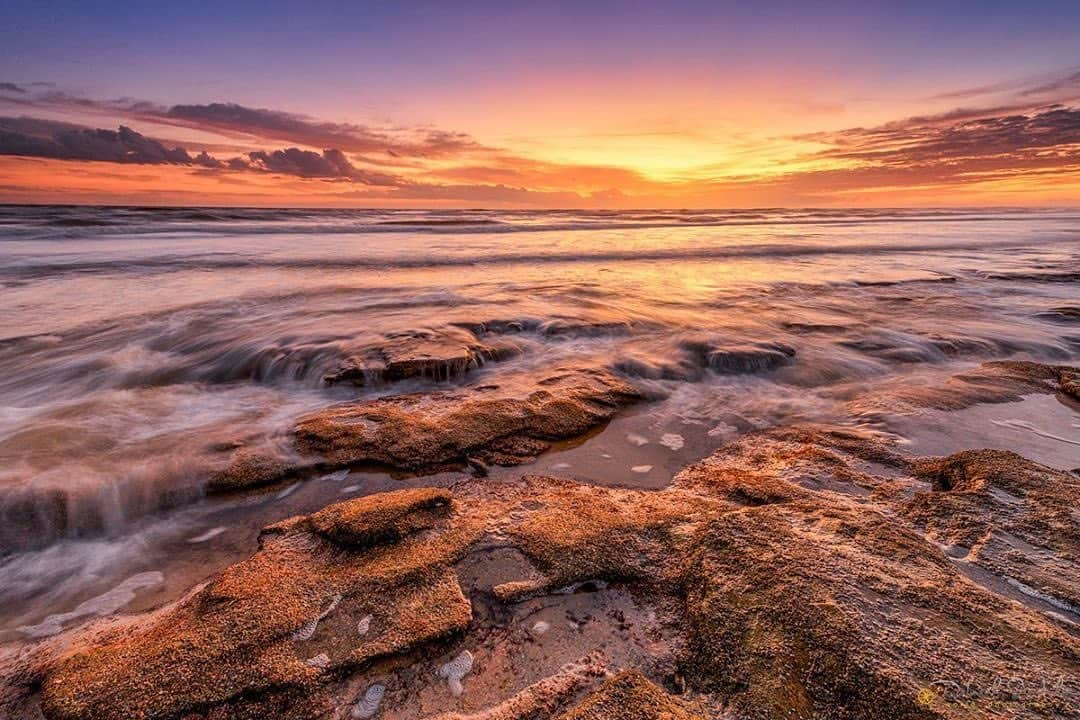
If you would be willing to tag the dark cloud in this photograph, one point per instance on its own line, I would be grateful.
(11, 88)
(44, 138)
(919, 141)
(377, 143)
(951, 149)
(33, 137)
(308, 164)
(1060, 87)
(278, 125)
(1069, 83)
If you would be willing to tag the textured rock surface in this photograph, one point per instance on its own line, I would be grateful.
(990, 382)
(434, 355)
(232, 649)
(800, 571)
(1009, 516)
(249, 469)
(630, 696)
(504, 427)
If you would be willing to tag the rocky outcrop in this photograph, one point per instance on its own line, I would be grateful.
(263, 638)
(430, 354)
(250, 468)
(493, 425)
(990, 382)
(630, 696)
(996, 511)
(692, 359)
(798, 572)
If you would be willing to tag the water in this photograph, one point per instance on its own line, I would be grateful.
(138, 345)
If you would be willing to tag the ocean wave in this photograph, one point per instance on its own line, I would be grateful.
(58, 222)
(239, 261)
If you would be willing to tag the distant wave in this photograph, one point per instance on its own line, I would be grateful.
(232, 261)
(45, 223)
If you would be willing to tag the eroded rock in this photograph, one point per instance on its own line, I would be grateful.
(1012, 517)
(250, 468)
(990, 382)
(800, 581)
(630, 696)
(431, 354)
(238, 647)
(502, 427)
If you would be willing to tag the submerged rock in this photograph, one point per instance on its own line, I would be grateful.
(250, 468)
(542, 698)
(990, 382)
(435, 355)
(428, 430)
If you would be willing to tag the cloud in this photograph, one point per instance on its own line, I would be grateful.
(1069, 83)
(34, 137)
(11, 88)
(43, 138)
(1060, 87)
(278, 125)
(265, 125)
(921, 141)
(330, 163)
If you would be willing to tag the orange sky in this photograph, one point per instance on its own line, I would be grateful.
(607, 110)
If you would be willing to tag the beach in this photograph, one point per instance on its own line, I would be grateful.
(268, 460)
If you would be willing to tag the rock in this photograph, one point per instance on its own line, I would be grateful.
(543, 698)
(794, 568)
(435, 355)
(376, 519)
(238, 645)
(435, 429)
(990, 382)
(733, 359)
(250, 468)
(1069, 382)
(691, 359)
(1007, 515)
(1062, 314)
(630, 696)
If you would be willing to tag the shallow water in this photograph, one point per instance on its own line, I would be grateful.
(136, 344)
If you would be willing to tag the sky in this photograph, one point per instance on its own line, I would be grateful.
(541, 105)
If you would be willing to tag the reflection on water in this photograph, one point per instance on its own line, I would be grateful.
(138, 347)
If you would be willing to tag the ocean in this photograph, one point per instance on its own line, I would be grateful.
(140, 346)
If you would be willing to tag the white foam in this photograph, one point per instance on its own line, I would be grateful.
(642, 469)
(336, 476)
(455, 670)
(540, 627)
(673, 441)
(368, 705)
(212, 533)
(349, 489)
(287, 491)
(364, 625)
(1024, 425)
(1045, 597)
(560, 466)
(638, 440)
(105, 604)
